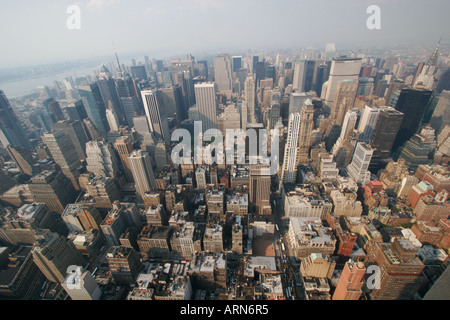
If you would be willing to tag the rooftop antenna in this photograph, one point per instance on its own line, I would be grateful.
(117, 58)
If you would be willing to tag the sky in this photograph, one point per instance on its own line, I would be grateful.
(35, 32)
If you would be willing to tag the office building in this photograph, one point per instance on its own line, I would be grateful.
(400, 269)
(19, 227)
(53, 189)
(23, 159)
(250, 99)
(317, 266)
(223, 75)
(124, 264)
(20, 278)
(358, 168)
(259, 189)
(413, 103)
(101, 159)
(350, 282)
(156, 112)
(385, 132)
(124, 147)
(11, 131)
(367, 123)
(341, 69)
(291, 156)
(344, 99)
(77, 134)
(64, 154)
(121, 217)
(53, 254)
(102, 190)
(142, 171)
(107, 88)
(80, 217)
(94, 106)
(205, 96)
(54, 109)
(81, 285)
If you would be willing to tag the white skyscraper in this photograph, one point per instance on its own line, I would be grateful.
(297, 100)
(81, 285)
(113, 121)
(101, 159)
(358, 168)
(367, 123)
(350, 119)
(299, 75)
(249, 98)
(142, 171)
(205, 96)
(341, 69)
(223, 73)
(291, 151)
(156, 114)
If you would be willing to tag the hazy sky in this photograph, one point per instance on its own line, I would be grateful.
(35, 31)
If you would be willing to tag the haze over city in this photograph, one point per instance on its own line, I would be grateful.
(246, 152)
(35, 32)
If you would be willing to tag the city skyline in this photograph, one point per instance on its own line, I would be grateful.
(287, 173)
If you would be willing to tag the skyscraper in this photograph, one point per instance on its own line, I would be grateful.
(64, 154)
(306, 127)
(81, 285)
(367, 123)
(131, 104)
(53, 254)
(94, 106)
(77, 134)
(385, 132)
(124, 147)
(290, 159)
(250, 98)
(350, 282)
(205, 95)
(54, 108)
(341, 69)
(400, 269)
(426, 77)
(156, 113)
(344, 99)
(142, 172)
(101, 159)
(23, 159)
(53, 189)
(10, 130)
(413, 103)
(108, 92)
(359, 167)
(173, 101)
(223, 73)
(259, 190)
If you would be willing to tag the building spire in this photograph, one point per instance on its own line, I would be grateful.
(434, 57)
(117, 59)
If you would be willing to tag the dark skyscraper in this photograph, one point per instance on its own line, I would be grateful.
(94, 106)
(54, 108)
(138, 72)
(109, 94)
(412, 102)
(309, 75)
(10, 130)
(236, 62)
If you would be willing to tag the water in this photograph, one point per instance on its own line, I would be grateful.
(18, 88)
